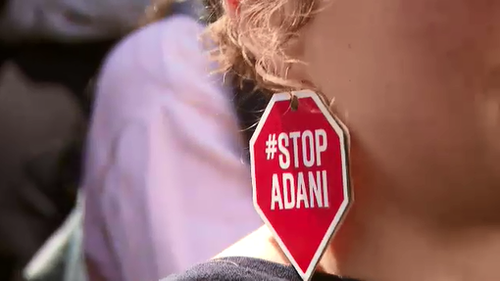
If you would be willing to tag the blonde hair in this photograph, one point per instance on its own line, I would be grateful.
(269, 26)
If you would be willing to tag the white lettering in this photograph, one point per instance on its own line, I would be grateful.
(307, 141)
(284, 158)
(325, 190)
(295, 191)
(307, 189)
(276, 194)
(321, 146)
(301, 192)
(295, 136)
(289, 188)
(315, 189)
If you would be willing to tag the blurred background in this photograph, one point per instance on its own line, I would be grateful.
(116, 145)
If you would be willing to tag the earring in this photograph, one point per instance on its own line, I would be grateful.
(300, 176)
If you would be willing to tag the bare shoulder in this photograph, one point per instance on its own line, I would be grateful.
(258, 244)
(255, 257)
(252, 258)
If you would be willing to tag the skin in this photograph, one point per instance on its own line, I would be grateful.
(418, 85)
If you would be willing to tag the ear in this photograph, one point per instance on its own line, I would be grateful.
(233, 6)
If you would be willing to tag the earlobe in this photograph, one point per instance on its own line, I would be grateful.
(233, 6)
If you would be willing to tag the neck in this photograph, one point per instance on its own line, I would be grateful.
(381, 243)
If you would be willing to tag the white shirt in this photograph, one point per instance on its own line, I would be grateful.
(165, 183)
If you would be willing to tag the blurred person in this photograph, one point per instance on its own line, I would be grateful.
(49, 50)
(69, 21)
(167, 180)
(417, 85)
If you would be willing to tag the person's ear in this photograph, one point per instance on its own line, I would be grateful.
(233, 6)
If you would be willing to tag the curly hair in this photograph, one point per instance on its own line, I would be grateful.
(267, 26)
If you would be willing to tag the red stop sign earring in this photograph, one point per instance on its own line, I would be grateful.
(300, 178)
